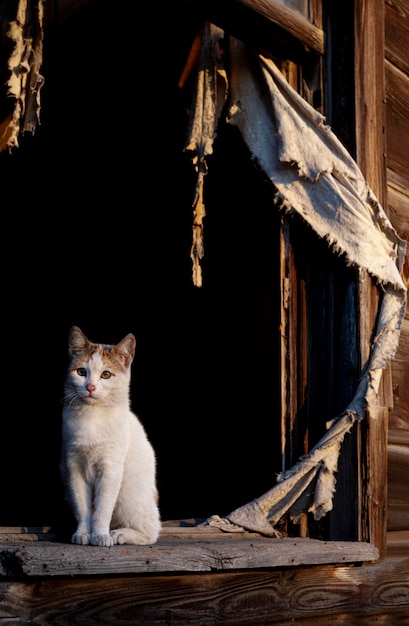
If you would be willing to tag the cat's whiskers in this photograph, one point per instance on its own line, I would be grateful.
(70, 397)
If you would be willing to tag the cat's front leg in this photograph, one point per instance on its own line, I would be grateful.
(100, 535)
(81, 537)
(106, 493)
(101, 539)
(81, 498)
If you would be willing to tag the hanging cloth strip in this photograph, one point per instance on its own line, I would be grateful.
(315, 177)
(208, 101)
(25, 81)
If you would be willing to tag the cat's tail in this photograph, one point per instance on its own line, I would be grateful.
(137, 537)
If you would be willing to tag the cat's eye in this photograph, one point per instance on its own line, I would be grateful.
(105, 374)
(81, 371)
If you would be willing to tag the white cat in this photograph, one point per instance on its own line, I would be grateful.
(108, 464)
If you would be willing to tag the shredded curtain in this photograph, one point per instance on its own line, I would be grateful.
(315, 177)
(25, 82)
(208, 101)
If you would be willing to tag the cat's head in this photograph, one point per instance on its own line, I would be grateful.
(97, 372)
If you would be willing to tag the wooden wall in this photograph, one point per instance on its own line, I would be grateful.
(280, 596)
(397, 155)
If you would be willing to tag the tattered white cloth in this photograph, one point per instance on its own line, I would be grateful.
(25, 82)
(316, 177)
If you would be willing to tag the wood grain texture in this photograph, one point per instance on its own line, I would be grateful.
(397, 120)
(370, 94)
(397, 33)
(373, 461)
(398, 487)
(178, 550)
(397, 144)
(399, 417)
(398, 202)
(292, 21)
(322, 595)
(370, 118)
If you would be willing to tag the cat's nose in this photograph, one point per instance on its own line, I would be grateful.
(90, 387)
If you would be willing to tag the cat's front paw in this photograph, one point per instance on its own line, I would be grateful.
(81, 539)
(102, 540)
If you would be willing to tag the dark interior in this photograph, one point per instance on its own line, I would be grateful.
(97, 215)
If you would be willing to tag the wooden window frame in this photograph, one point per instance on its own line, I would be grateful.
(185, 546)
(370, 114)
(369, 144)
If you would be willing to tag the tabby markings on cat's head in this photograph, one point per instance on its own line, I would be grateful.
(98, 372)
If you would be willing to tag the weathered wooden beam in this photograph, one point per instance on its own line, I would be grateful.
(293, 22)
(267, 26)
(179, 549)
(370, 94)
(369, 21)
(322, 595)
(397, 33)
(397, 120)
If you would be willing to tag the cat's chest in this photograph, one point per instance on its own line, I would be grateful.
(88, 428)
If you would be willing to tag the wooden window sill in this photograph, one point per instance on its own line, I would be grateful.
(182, 547)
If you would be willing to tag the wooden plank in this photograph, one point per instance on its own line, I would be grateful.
(174, 552)
(374, 431)
(397, 120)
(266, 25)
(323, 595)
(399, 417)
(370, 148)
(370, 94)
(399, 436)
(397, 542)
(398, 488)
(397, 33)
(398, 202)
(292, 21)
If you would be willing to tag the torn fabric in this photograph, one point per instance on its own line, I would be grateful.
(209, 99)
(315, 177)
(25, 80)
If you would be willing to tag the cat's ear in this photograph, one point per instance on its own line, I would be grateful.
(126, 349)
(76, 340)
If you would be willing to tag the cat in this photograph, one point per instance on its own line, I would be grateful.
(108, 465)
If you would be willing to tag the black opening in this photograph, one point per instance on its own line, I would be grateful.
(98, 231)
